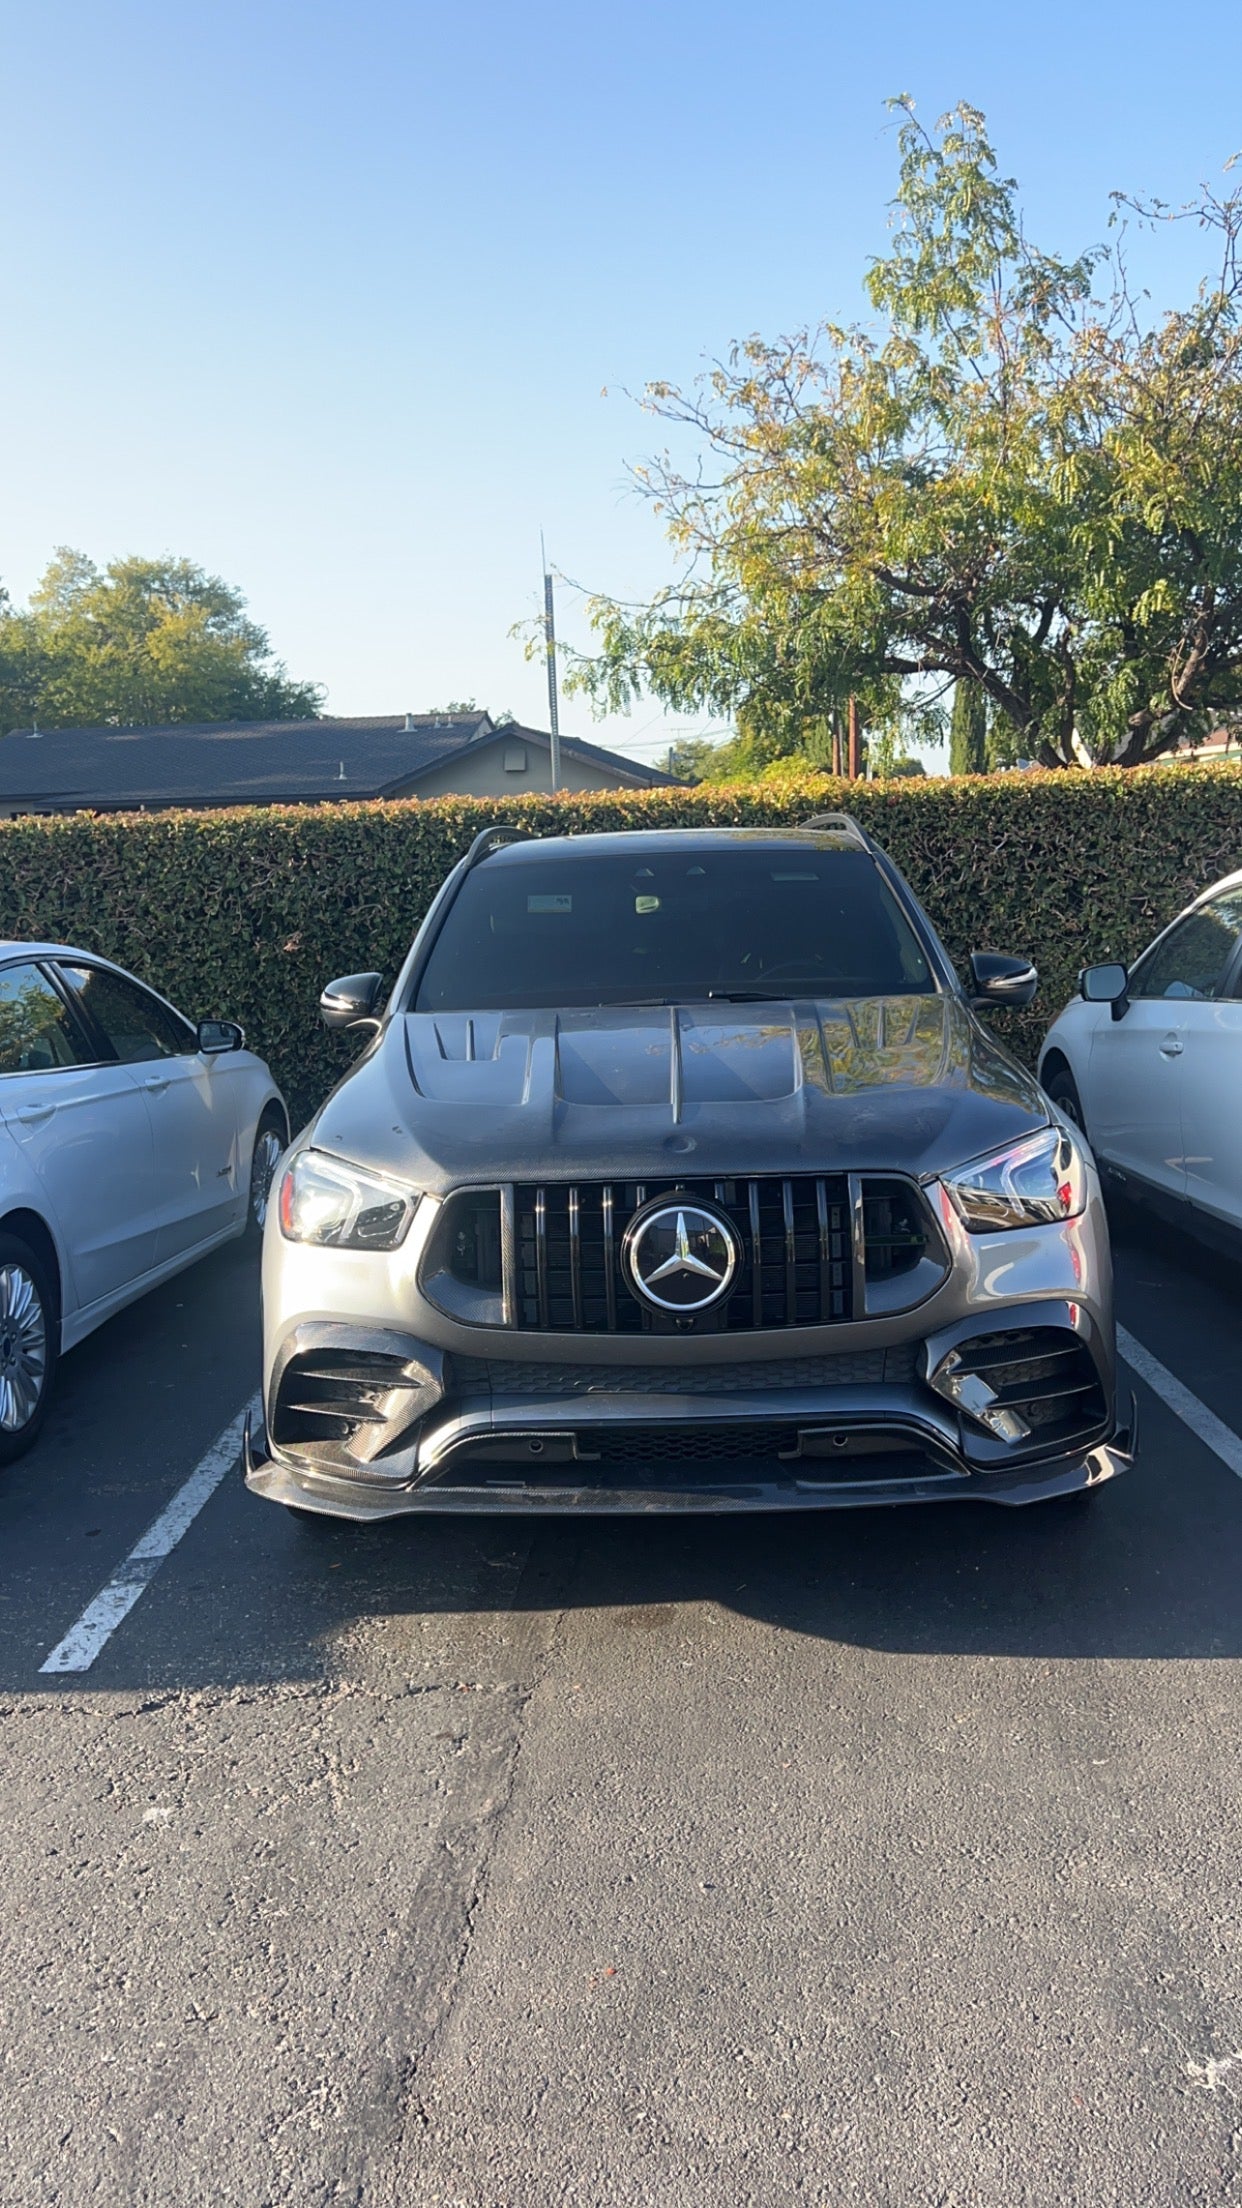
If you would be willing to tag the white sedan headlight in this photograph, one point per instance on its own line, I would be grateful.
(324, 1201)
(1032, 1183)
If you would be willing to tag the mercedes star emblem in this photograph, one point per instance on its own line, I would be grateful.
(681, 1257)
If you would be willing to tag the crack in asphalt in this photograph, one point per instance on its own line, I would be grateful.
(105, 1706)
(438, 1935)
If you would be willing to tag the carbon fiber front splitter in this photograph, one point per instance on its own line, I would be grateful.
(788, 1488)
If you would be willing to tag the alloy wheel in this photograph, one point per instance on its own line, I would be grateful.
(267, 1153)
(23, 1348)
(1067, 1098)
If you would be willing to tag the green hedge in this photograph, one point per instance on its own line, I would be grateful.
(248, 913)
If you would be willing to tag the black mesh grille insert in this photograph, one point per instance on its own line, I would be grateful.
(512, 1376)
(634, 1467)
(688, 1445)
(793, 1233)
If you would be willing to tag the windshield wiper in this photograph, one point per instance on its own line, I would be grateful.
(756, 996)
(704, 996)
(708, 996)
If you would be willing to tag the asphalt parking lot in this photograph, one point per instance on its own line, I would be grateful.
(889, 1858)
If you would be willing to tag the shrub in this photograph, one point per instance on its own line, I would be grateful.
(247, 913)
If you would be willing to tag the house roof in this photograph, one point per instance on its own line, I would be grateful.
(255, 762)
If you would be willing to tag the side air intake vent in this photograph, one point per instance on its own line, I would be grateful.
(347, 1408)
(1036, 1384)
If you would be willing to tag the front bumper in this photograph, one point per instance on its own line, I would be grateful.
(837, 1449)
(459, 1417)
(342, 1498)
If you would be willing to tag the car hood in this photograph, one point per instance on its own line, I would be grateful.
(904, 1084)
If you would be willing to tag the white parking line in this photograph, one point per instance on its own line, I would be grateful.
(100, 1619)
(1219, 1438)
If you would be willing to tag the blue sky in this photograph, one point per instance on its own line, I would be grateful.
(327, 297)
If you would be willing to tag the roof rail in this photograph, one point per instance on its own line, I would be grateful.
(494, 839)
(845, 824)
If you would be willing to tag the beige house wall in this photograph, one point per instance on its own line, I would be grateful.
(482, 773)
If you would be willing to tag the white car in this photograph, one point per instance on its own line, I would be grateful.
(1149, 1063)
(131, 1142)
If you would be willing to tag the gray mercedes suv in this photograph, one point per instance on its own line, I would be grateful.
(678, 1173)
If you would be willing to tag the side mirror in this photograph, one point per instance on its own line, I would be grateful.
(215, 1036)
(1106, 985)
(352, 1001)
(996, 979)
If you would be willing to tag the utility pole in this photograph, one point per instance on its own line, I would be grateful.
(549, 635)
(855, 740)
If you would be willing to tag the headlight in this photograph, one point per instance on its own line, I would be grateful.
(1034, 1182)
(327, 1202)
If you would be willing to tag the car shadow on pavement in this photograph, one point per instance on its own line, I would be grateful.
(1150, 1568)
(1122, 1577)
(1149, 1571)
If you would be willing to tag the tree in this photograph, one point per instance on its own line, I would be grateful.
(759, 746)
(968, 731)
(1014, 480)
(14, 669)
(695, 759)
(140, 643)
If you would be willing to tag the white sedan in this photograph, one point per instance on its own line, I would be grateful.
(132, 1141)
(1149, 1062)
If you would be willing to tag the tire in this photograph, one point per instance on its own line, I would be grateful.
(270, 1142)
(1063, 1089)
(29, 1345)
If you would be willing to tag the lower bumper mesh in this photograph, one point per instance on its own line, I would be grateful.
(518, 1377)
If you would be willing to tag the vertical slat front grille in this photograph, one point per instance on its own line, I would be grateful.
(793, 1233)
(610, 1262)
(791, 1247)
(541, 1258)
(756, 1255)
(824, 1226)
(575, 1256)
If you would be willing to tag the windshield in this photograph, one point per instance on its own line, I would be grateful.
(587, 928)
